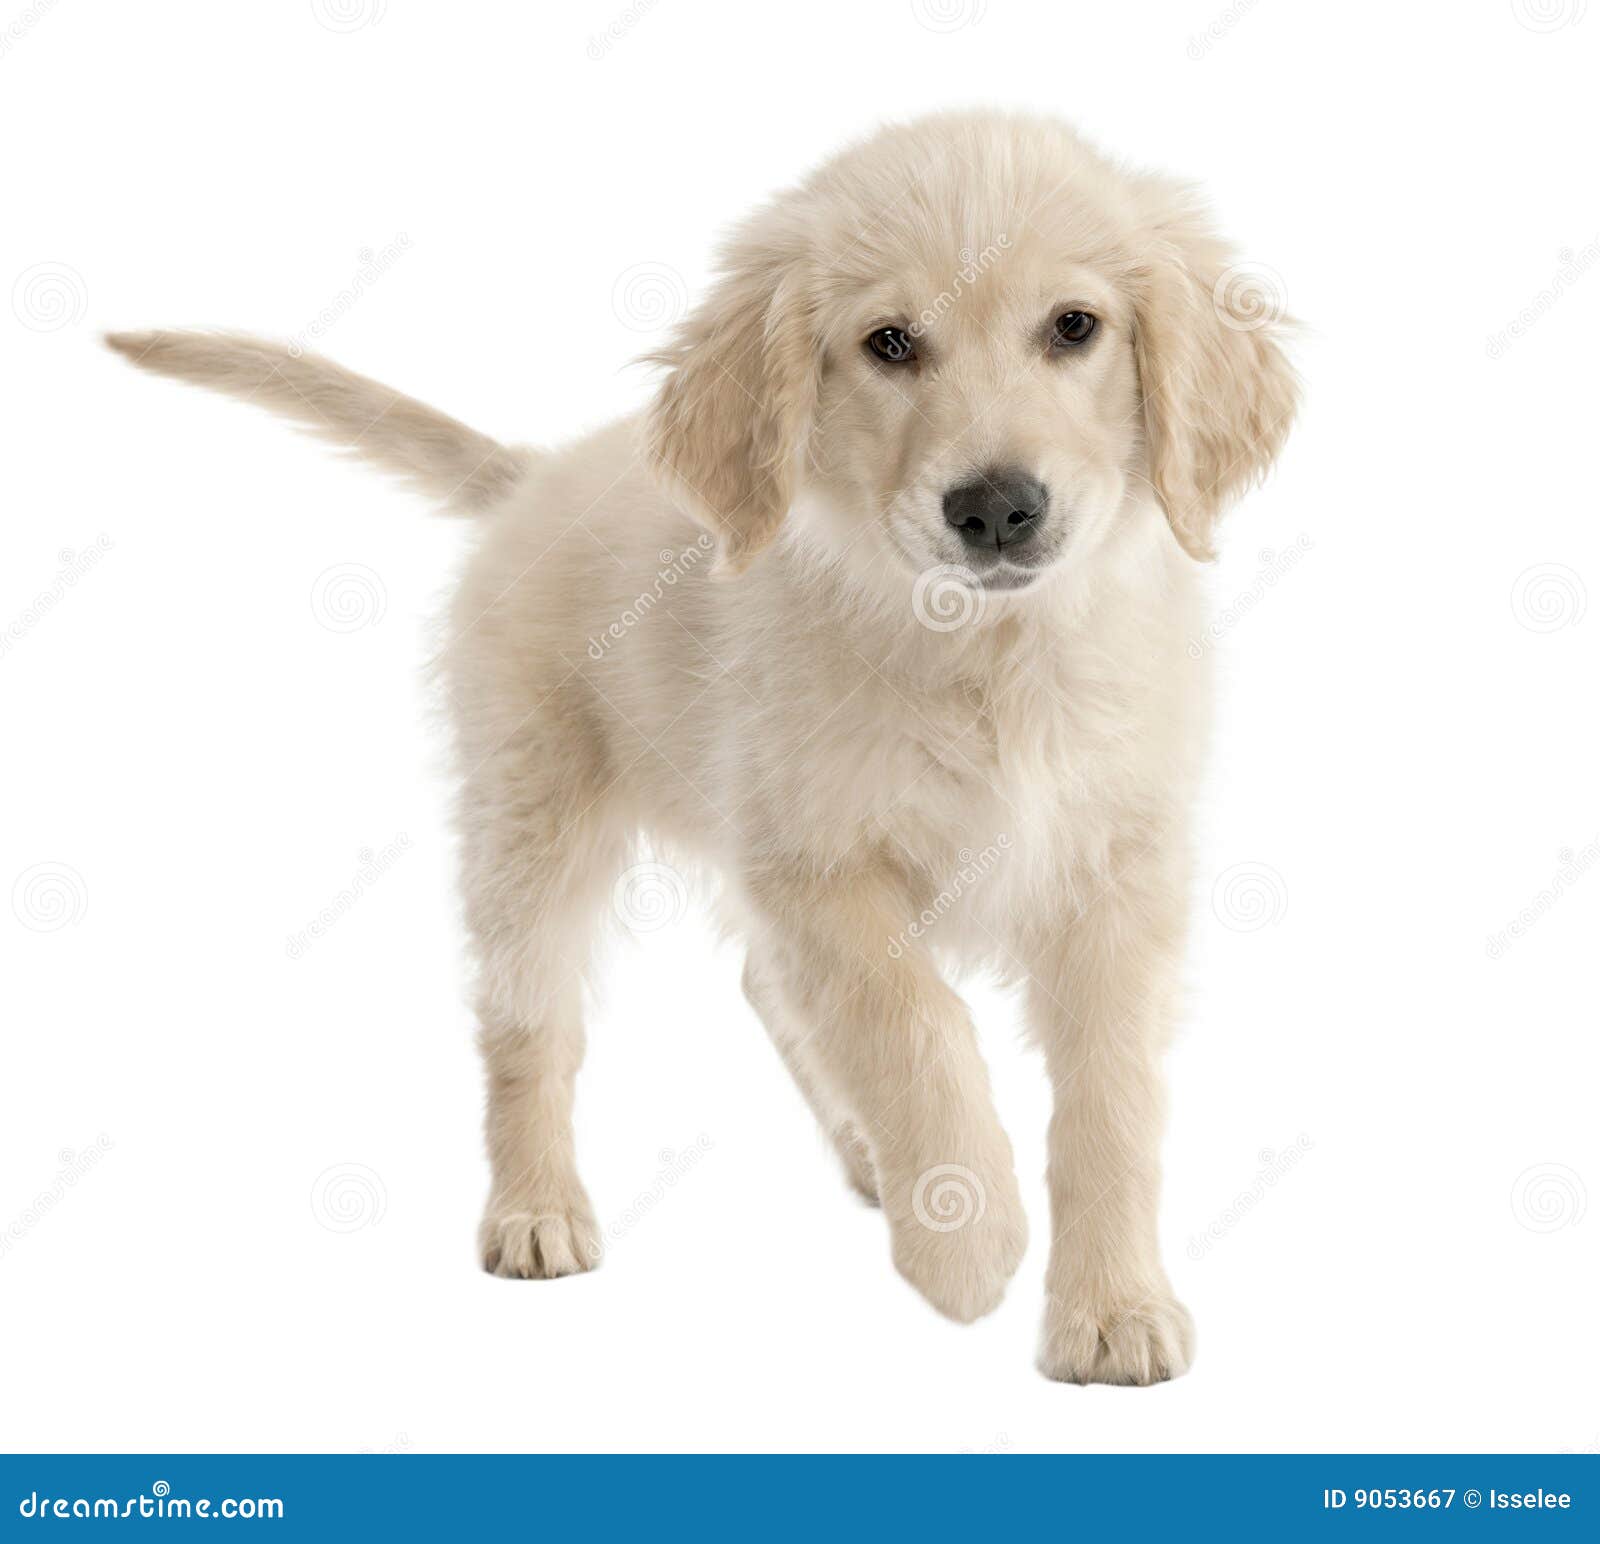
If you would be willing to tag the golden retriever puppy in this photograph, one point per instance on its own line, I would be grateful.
(890, 627)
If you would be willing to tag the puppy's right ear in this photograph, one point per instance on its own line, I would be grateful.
(727, 426)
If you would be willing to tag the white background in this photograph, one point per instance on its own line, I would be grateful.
(1383, 1141)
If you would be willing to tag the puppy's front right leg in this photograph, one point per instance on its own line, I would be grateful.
(893, 1046)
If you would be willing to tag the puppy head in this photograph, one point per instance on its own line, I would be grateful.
(970, 341)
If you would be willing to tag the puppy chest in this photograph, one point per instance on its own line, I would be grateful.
(1021, 804)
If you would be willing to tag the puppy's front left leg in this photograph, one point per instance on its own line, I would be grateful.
(894, 1048)
(1099, 1002)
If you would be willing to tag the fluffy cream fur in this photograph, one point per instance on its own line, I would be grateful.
(900, 771)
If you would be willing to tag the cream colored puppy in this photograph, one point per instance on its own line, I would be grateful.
(882, 608)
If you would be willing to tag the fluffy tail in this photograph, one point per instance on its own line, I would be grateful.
(463, 470)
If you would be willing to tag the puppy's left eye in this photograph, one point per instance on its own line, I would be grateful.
(892, 345)
(1073, 327)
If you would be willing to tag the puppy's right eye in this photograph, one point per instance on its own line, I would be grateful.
(892, 345)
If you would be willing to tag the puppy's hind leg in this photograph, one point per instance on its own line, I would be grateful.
(538, 1222)
(537, 868)
(763, 993)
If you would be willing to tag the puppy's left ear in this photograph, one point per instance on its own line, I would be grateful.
(1219, 394)
(727, 426)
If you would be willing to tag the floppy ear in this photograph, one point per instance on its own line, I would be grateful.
(1218, 393)
(728, 424)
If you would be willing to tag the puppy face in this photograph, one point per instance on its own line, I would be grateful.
(978, 406)
(970, 341)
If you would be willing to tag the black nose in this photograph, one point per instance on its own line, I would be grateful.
(1001, 509)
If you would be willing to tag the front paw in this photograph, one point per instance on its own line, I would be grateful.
(958, 1235)
(1127, 1336)
(540, 1238)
